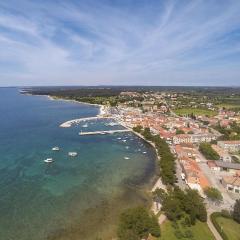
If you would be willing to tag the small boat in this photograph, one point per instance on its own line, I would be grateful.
(55, 148)
(85, 125)
(144, 152)
(111, 124)
(127, 147)
(72, 154)
(126, 158)
(124, 140)
(119, 138)
(48, 160)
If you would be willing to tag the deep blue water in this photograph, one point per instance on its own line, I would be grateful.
(73, 197)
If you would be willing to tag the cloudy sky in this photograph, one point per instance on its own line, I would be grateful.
(120, 42)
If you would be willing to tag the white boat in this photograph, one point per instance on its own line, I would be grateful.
(55, 148)
(72, 154)
(48, 160)
(126, 158)
(119, 138)
(111, 124)
(85, 125)
(127, 147)
(144, 152)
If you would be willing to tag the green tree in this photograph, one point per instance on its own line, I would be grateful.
(236, 211)
(137, 223)
(179, 131)
(208, 151)
(213, 194)
(154, 228)
(137, 129)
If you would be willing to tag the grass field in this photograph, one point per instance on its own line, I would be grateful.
(228, 106)
(230, 227)
(195, 111)
(200, 231)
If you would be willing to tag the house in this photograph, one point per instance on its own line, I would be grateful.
(232, 146)
(228, 167)
(232, 183)
(212, 165)
(223, 154)
(193, 175)
(193, 138)
(186, 150)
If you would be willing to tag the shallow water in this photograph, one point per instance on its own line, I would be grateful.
(72, 198)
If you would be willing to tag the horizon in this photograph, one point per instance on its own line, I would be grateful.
(92, 86)
(120, 43)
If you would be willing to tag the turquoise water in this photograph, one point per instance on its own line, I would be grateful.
(72, 198)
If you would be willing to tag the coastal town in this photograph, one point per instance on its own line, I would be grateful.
(185, 134)
(196, 135)
(204, 160)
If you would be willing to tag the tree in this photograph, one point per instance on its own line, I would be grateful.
(179, 131)
(208, 152)
(138, 129)
(137, 223)
(213, 194)
(172, 209)
(147, 134)
(236, 211)
(154, 227)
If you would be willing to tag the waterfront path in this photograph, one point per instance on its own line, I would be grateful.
(104, 132)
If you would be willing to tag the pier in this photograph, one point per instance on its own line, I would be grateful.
(104, 132)
(75, 121)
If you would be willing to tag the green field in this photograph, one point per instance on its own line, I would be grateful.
(188, 111)
(200, 231)
(228, 106)
(229, 227)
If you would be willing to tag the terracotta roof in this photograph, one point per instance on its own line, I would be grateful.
(233, 180)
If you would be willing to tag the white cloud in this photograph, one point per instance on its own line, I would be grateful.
(70, 43)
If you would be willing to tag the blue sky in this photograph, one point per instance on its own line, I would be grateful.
(120, 42)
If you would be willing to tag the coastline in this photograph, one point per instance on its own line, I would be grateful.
(156, 180)
(101, 107)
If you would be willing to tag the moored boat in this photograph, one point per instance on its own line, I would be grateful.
(55, 148)
(72, 154)
(48, 160)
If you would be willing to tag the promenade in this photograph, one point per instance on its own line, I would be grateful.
(104, 132)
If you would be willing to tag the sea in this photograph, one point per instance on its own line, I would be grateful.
(72, 198)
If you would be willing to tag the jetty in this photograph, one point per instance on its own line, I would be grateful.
(104, 132)
(76, 121)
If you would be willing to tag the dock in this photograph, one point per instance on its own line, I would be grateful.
(104, 132)
(76, 121)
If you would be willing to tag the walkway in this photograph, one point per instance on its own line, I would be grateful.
(212, 228)
(104, 132)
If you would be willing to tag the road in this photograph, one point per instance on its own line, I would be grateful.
(228, 202)
(215, 233)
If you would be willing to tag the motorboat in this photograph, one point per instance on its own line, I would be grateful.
(72, 154)
(126, 158)
(48, 160)
(55, 148)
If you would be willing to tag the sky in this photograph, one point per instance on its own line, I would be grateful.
(120, 42)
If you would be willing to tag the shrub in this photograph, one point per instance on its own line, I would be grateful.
(213, 217)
